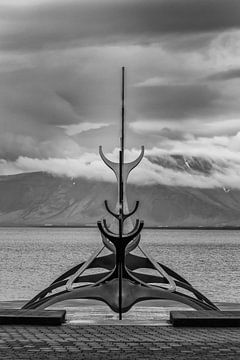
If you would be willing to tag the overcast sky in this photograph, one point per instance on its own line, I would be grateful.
(60, 67)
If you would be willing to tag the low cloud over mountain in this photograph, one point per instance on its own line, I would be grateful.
(184, 197)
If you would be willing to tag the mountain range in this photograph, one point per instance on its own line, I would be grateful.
(40, 198)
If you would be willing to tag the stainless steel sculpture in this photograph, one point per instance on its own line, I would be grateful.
(121, 286)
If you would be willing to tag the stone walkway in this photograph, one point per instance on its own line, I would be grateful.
(118, 342)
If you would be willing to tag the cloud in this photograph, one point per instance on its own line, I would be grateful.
(41, 108)
(155, 81)
(88, 166)
(60, 74)
(57, 24)
(189, 128)
(30, 110)
(74, 129)
(230, 74)
(214, 163)
(175, 101)
(13, 145)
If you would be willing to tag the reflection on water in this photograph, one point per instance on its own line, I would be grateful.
(30, 258)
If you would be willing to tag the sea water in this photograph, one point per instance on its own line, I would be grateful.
(31, 258)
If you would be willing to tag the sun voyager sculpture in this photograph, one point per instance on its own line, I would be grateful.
(120, 284)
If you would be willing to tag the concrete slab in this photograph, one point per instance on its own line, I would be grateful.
(32, 317)
(205, 318)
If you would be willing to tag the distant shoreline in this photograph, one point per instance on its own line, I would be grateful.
(226, 227)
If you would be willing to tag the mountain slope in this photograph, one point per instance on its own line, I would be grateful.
(40, 198)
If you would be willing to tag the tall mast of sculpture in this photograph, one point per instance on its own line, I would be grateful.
(121, 152)
(122, 142)
(121, 197)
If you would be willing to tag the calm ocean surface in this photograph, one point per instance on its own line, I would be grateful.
(30, 258)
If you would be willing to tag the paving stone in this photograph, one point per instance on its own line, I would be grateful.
(110, 342)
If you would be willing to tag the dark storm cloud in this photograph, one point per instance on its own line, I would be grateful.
(74, 23)
(30, 110)
(32, 94)
(176, 101)
(225, 75)
(35, 103)
(60, 96)
(57, 96)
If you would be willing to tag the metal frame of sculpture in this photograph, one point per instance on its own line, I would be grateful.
(121, 286)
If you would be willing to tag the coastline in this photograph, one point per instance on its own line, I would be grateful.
(224, 227)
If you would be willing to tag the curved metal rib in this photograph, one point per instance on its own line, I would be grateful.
(134, 229)
(112, 165)
(68, 273)
(172, 285)
(109, 210)
(69, 284)
(108, 244)
(131, 212)
(106, 226)
(127, 167)
(131, 165)
(133, 244)
(174, 274)
(105, 232)
(115, 237)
